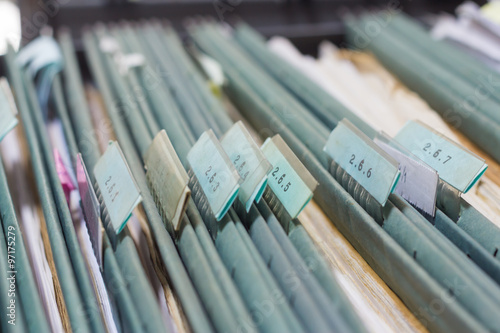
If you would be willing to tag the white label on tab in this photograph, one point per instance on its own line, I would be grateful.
(289, 179)
(215, 173)
(361, 158)
(455, 165)
(90, 207)
(249, 162)
(8, 109)
(117, 185)
(418, 182)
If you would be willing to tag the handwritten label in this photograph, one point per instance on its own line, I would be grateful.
(167, 178)
(90, 207)
(418, 182)
(215, 173)
(361, 158)
(289, 179)
(455, 165)
(117, 185)
(249, 162)
(8, 110)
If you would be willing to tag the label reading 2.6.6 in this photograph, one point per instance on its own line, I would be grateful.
(369, 165)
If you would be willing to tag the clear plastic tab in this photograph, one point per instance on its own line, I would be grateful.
(289, 179)
(215, 173)
(363, 160)
(167, 179)
(250, 163)
(455, 164)
(117, 186)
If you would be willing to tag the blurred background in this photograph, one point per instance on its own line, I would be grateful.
(305, 22)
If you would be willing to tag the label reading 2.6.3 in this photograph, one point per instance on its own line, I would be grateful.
(215, 173)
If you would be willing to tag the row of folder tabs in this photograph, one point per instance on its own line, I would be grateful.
(228, 183)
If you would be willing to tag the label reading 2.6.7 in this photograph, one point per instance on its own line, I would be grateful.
(455, 165)
(437, 154)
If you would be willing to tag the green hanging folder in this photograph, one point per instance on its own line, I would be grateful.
(418, 76)
(173, 140)
(328, 208)
(20, 267)
(109, 267)
(65, 271)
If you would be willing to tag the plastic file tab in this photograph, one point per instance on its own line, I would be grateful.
(250, 163)
(8, 110)
(363, 160)
(289, 179)
(167, 179)
(418, 182)
(90, 207)
(117, 186)
(455, 165)
(215, 173)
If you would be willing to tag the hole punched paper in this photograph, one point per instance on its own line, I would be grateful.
(90, 206)
(418, 182)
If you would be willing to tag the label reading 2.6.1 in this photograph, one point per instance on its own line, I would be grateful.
(117, 185)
